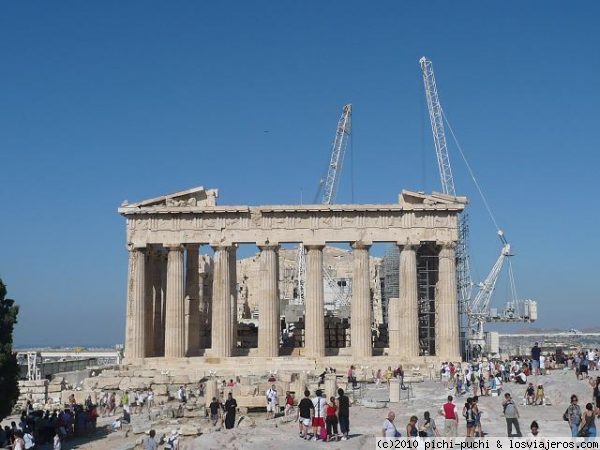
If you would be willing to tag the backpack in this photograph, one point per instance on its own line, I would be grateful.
(566, 415)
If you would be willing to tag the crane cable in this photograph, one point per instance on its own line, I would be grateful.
(485, 202)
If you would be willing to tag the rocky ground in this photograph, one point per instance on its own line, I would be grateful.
(255, 432)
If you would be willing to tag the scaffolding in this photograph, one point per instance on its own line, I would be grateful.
(427, 278)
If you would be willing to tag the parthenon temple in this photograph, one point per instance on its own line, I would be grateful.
(187, 300)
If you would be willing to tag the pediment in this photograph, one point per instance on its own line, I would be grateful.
(435, 198)
(197, 196)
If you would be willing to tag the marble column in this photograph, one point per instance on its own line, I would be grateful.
(268, 308)
(135, 339)
(394, 327)
(446, 321)
(152, 263)
(408, 305)
(175, 307)
(202, 305)
(192, 298)
(164, 259)
(221, 342)
(157, 301)
(314, 334)
(361, 311)
(233, 294)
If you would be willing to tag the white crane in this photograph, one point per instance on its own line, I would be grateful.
(477, 310)
(436, 116)
(327, 191)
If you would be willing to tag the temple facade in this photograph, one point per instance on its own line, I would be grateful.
(173, 314)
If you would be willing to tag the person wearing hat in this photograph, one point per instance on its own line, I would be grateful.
(172, 441)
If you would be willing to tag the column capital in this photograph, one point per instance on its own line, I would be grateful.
(314, 245)
(173, 247)
(408, 243)
(269, 246)
(446, 245)
(361, 245)
(131, 246)
(221, 246)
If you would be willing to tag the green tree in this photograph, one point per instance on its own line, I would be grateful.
(9, 368)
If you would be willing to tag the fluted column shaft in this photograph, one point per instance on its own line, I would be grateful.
(175, 306)
(407, 345)
(447, 330)
(233, 294)
(156, 271)
(152, 289)
(268, 322)
(221, 304)
(192, 298)
(314, 338)
(135, 340)
(361, 313)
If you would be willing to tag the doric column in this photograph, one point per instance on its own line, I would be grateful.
(361, 312)
(268, 308)
(164, 258)
(153, 299)
(203, 303)
(446, 321)
(192, 298)
(314, 337)
(221, 304)
(135, 331)
(175, 307)
(233, 294)
(156, 270)
(407, 345)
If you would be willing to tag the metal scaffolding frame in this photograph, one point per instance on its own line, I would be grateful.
(427, 278)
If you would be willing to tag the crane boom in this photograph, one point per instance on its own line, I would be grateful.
(464, 282)
(337, 156)
(437, 127)
(329, 191)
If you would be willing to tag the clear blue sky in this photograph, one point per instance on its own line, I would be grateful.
(106, 101)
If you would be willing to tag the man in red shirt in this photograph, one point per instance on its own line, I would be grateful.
(451, 418)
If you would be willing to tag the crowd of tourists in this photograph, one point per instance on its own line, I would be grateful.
(324, 419)
(37, 427)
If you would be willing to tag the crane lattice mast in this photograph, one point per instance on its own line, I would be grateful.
(436, 116)
(329, 190)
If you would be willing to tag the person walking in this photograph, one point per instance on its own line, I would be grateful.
(230, 410)
(450, 418)
(343, 412)
(469, 416)
(511, 414)
(411, 428)
(587, 428)
(306, 411)
(389, 428)
(429, 426)
(573, 416)
(215, 408)
(536, 351)
(272, 402)
(150, 443)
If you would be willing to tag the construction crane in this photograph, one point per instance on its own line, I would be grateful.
(474, 312)
(327, 191)
(463, 270)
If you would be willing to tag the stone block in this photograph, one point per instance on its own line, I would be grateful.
(135, 383)
(180, 380)
(161, 379)
(107, 383)
(161, 399)
(160, 389)
(189, 430)
(285, 376)
(247, 390)
(140, 424)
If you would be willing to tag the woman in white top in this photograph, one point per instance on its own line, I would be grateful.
(57, 444)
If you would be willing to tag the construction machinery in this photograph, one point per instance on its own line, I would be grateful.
(474, 312)
(327, 192)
